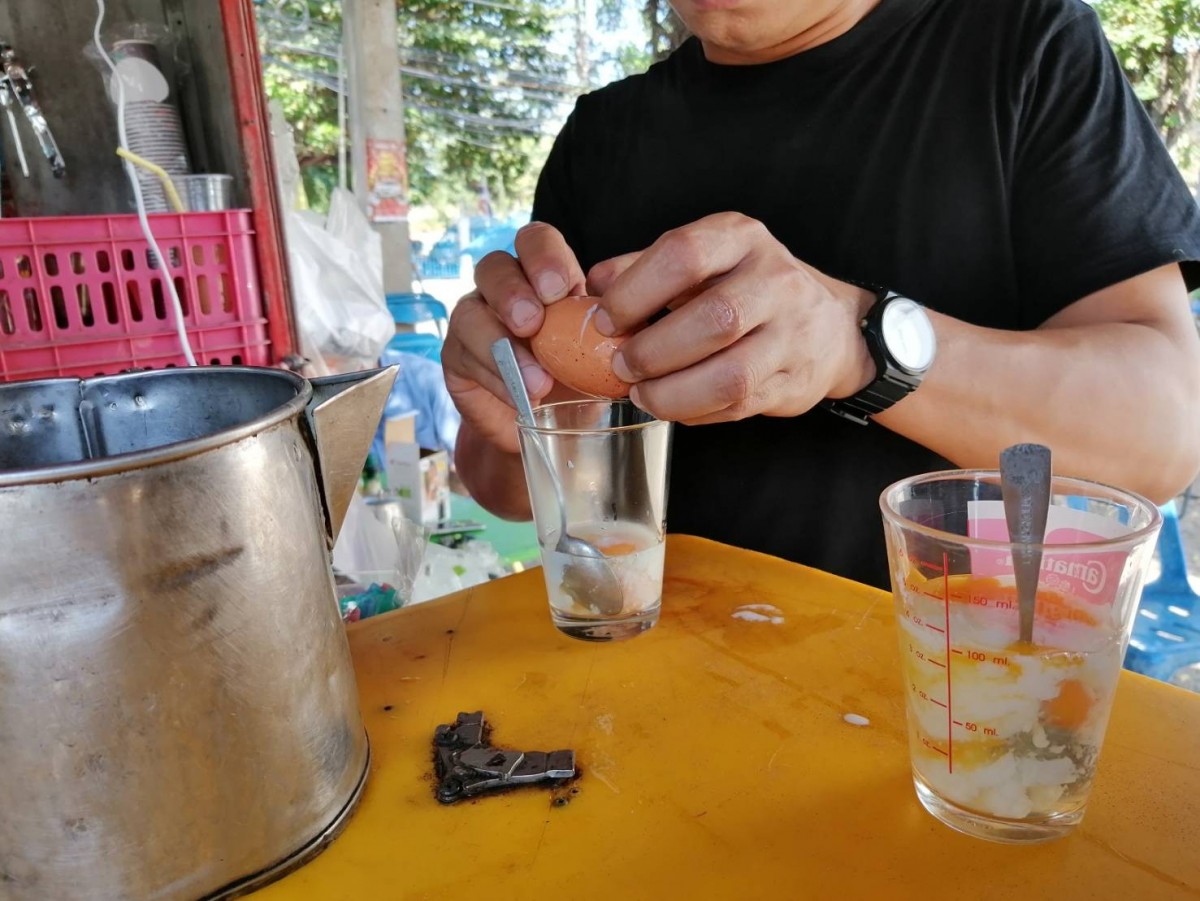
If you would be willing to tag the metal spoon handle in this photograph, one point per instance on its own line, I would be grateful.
(1025, 473)
(589, 578)
(510, 371)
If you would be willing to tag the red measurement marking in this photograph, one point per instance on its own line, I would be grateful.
(957, 652)
(939, 750)
(949, 718)
(939, 703)
(930, 745)
(937, 663)
(933, 566)
(957, 723)
(935, 628)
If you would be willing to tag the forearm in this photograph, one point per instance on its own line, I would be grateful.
(495, 478)
(1116, 401)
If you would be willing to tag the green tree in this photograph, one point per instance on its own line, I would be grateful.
(481, 86)
(1158, 45)
(666, 29)
(663, 31)
(300, 46)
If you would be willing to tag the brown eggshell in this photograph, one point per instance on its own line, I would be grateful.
(574, 353)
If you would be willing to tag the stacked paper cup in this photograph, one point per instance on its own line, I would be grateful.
(152, 119)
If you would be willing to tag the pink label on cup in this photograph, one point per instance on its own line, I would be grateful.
(1087, 574)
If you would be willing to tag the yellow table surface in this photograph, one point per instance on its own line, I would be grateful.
(716, 760)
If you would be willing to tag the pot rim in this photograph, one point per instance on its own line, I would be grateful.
(168, 453)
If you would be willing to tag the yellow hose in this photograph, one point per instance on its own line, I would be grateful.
(168, 185)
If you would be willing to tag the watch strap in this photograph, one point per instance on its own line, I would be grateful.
(875, 398)
(890, 384)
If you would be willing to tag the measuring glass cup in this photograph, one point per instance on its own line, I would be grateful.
(1004, 735)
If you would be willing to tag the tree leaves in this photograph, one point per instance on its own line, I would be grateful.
(481, 81)
(1158, 45)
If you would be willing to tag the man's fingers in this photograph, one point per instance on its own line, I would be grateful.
(549, 265)
(467, 357)
(734, 381)
(674, 265)
(517, 288)
(709, 323)
(501, 281)
(601, 276)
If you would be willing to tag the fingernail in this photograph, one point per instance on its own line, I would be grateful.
(524, 312)
(551, 285)
(635, 396)
(604, 323)
(620, 368)
(537, 380)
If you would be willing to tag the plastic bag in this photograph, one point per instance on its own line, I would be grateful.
(446, 570)
(337, 280)
(287, 166)
(379, 555)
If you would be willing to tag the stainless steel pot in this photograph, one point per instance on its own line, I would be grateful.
(178, 713)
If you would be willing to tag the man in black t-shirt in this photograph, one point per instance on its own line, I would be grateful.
(985, 158)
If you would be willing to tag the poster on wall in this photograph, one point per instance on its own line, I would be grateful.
(387, 181)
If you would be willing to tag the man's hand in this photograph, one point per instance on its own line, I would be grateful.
(752, 330)
(508, 302)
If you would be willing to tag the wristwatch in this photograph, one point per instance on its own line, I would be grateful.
(902, 343)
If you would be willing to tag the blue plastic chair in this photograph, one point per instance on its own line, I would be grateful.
(418, 343)
(1166, 632)
(413, 309)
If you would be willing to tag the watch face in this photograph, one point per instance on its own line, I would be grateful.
(908, 334)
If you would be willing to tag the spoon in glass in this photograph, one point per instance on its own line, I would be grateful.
(1025, 487)
(588, 578)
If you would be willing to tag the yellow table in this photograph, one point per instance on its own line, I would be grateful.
(716, 760)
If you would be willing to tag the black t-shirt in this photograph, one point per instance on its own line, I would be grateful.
(986, 157)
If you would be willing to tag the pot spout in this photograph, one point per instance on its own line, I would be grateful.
(343, 417)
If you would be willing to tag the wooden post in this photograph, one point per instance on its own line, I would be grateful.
(378, 154)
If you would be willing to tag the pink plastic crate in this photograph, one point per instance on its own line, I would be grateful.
(83, 296)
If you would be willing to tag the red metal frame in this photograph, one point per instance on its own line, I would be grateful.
(245, 68)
